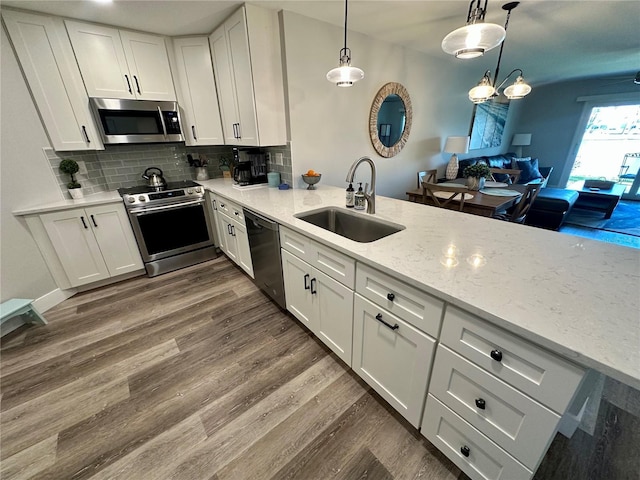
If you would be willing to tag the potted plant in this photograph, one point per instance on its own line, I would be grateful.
(71, 167)
(476, 175)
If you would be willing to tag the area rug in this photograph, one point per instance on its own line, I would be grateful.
(625, 218)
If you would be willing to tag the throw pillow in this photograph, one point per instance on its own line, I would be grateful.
(528, 170)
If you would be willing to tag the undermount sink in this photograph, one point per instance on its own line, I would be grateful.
(352, 225)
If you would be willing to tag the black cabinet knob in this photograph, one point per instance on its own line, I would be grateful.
(496, 355)
(480, 403)
(465, 451)
(390, 297)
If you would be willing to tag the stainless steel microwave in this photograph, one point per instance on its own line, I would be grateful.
(136, 121)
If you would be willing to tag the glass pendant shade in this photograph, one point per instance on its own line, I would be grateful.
(345, 75)
(473, 40)
(518, 90)
(483, 91)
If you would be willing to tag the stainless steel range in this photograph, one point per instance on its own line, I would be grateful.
(171, 225)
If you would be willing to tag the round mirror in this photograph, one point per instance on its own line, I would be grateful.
(390, 119)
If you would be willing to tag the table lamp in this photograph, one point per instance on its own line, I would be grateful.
(455, 145)
(521, 140)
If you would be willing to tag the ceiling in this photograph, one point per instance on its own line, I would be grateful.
(550, 40)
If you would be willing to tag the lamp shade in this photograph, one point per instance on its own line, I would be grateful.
(521, 139)
(345, 75)
(473, 40)
(457, 145)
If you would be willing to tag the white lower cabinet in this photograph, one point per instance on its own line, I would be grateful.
(321, 303)
(495, 400)
(93, 243)
(393, 357)
(232, 233)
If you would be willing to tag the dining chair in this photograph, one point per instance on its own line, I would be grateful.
(498, 174)
(519, 210)
(429, 191)
(430, 176)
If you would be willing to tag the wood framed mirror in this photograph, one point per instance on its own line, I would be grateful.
(390, 119)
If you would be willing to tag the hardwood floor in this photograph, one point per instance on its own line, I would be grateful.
(197, 375)
(193, 375)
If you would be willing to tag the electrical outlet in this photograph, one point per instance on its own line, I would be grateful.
(82, 168)
(279, 160)
(268, 157)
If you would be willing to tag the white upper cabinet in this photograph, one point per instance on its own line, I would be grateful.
(197, 92)
(121, 64)
(46, 57)
(248, 69)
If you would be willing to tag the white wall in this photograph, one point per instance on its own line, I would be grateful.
(329, 125)
(25, 179)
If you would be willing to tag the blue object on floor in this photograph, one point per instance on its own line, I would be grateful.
(20, 306)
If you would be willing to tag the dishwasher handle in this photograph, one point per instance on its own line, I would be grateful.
(259, 222)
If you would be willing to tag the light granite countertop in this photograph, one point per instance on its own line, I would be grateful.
(101, 198)
(577, 297)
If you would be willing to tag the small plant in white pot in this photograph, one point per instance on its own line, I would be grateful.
(71, 167)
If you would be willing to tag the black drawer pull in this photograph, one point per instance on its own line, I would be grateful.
(465, 451)
(392, 327)
(137, 84)
(496, 355)
(84, 224)
(94, 221)
(306, 285)
(313, 289)
(128, 84)
(193, 131)
(390, 297)
(480, 403)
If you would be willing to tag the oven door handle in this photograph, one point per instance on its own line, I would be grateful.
(143, 211)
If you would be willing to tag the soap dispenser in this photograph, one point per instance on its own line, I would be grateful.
(350, 196)
(359, 198)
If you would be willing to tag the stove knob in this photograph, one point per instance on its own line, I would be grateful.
(189, 191)
(131, 199)
(198, 189)
(142, 199)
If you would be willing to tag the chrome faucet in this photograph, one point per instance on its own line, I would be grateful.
(370, 195)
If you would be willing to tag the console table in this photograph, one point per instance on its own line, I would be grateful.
(601, 200)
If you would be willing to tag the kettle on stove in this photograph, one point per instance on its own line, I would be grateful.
(154, 179)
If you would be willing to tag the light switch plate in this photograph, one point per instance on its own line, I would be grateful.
(279, 160)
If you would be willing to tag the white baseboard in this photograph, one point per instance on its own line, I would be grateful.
(53, 298)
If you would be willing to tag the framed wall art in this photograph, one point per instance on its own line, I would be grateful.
(487, 124)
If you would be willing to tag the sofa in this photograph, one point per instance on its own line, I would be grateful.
(531, 172)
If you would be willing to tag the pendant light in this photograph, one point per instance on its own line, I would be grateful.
(345, 75)
(476, 37)
(486, 89)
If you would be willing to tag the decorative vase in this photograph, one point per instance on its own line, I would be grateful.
(202, 173)
(452, 168)
(76, 193)
(475, 183)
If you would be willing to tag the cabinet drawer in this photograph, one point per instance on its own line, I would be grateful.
(231, 209)
(410, 304)
(514, 421)
(395, 359)
(538, 373)
(337, 265)
(455, 438)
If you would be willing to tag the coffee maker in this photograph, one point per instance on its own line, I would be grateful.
(250, 166)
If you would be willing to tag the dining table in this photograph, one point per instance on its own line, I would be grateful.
(493, 198)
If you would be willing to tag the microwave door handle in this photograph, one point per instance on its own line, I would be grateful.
(164, 127)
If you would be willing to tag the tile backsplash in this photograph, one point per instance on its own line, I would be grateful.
(123, 165)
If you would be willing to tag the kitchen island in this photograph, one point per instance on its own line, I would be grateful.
(576, 297)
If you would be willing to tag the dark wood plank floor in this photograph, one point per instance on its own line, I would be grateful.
(197, 375)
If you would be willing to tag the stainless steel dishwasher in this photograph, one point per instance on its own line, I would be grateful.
(264, 243)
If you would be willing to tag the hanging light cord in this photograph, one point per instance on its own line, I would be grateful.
(506, 24)
(345, 24)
